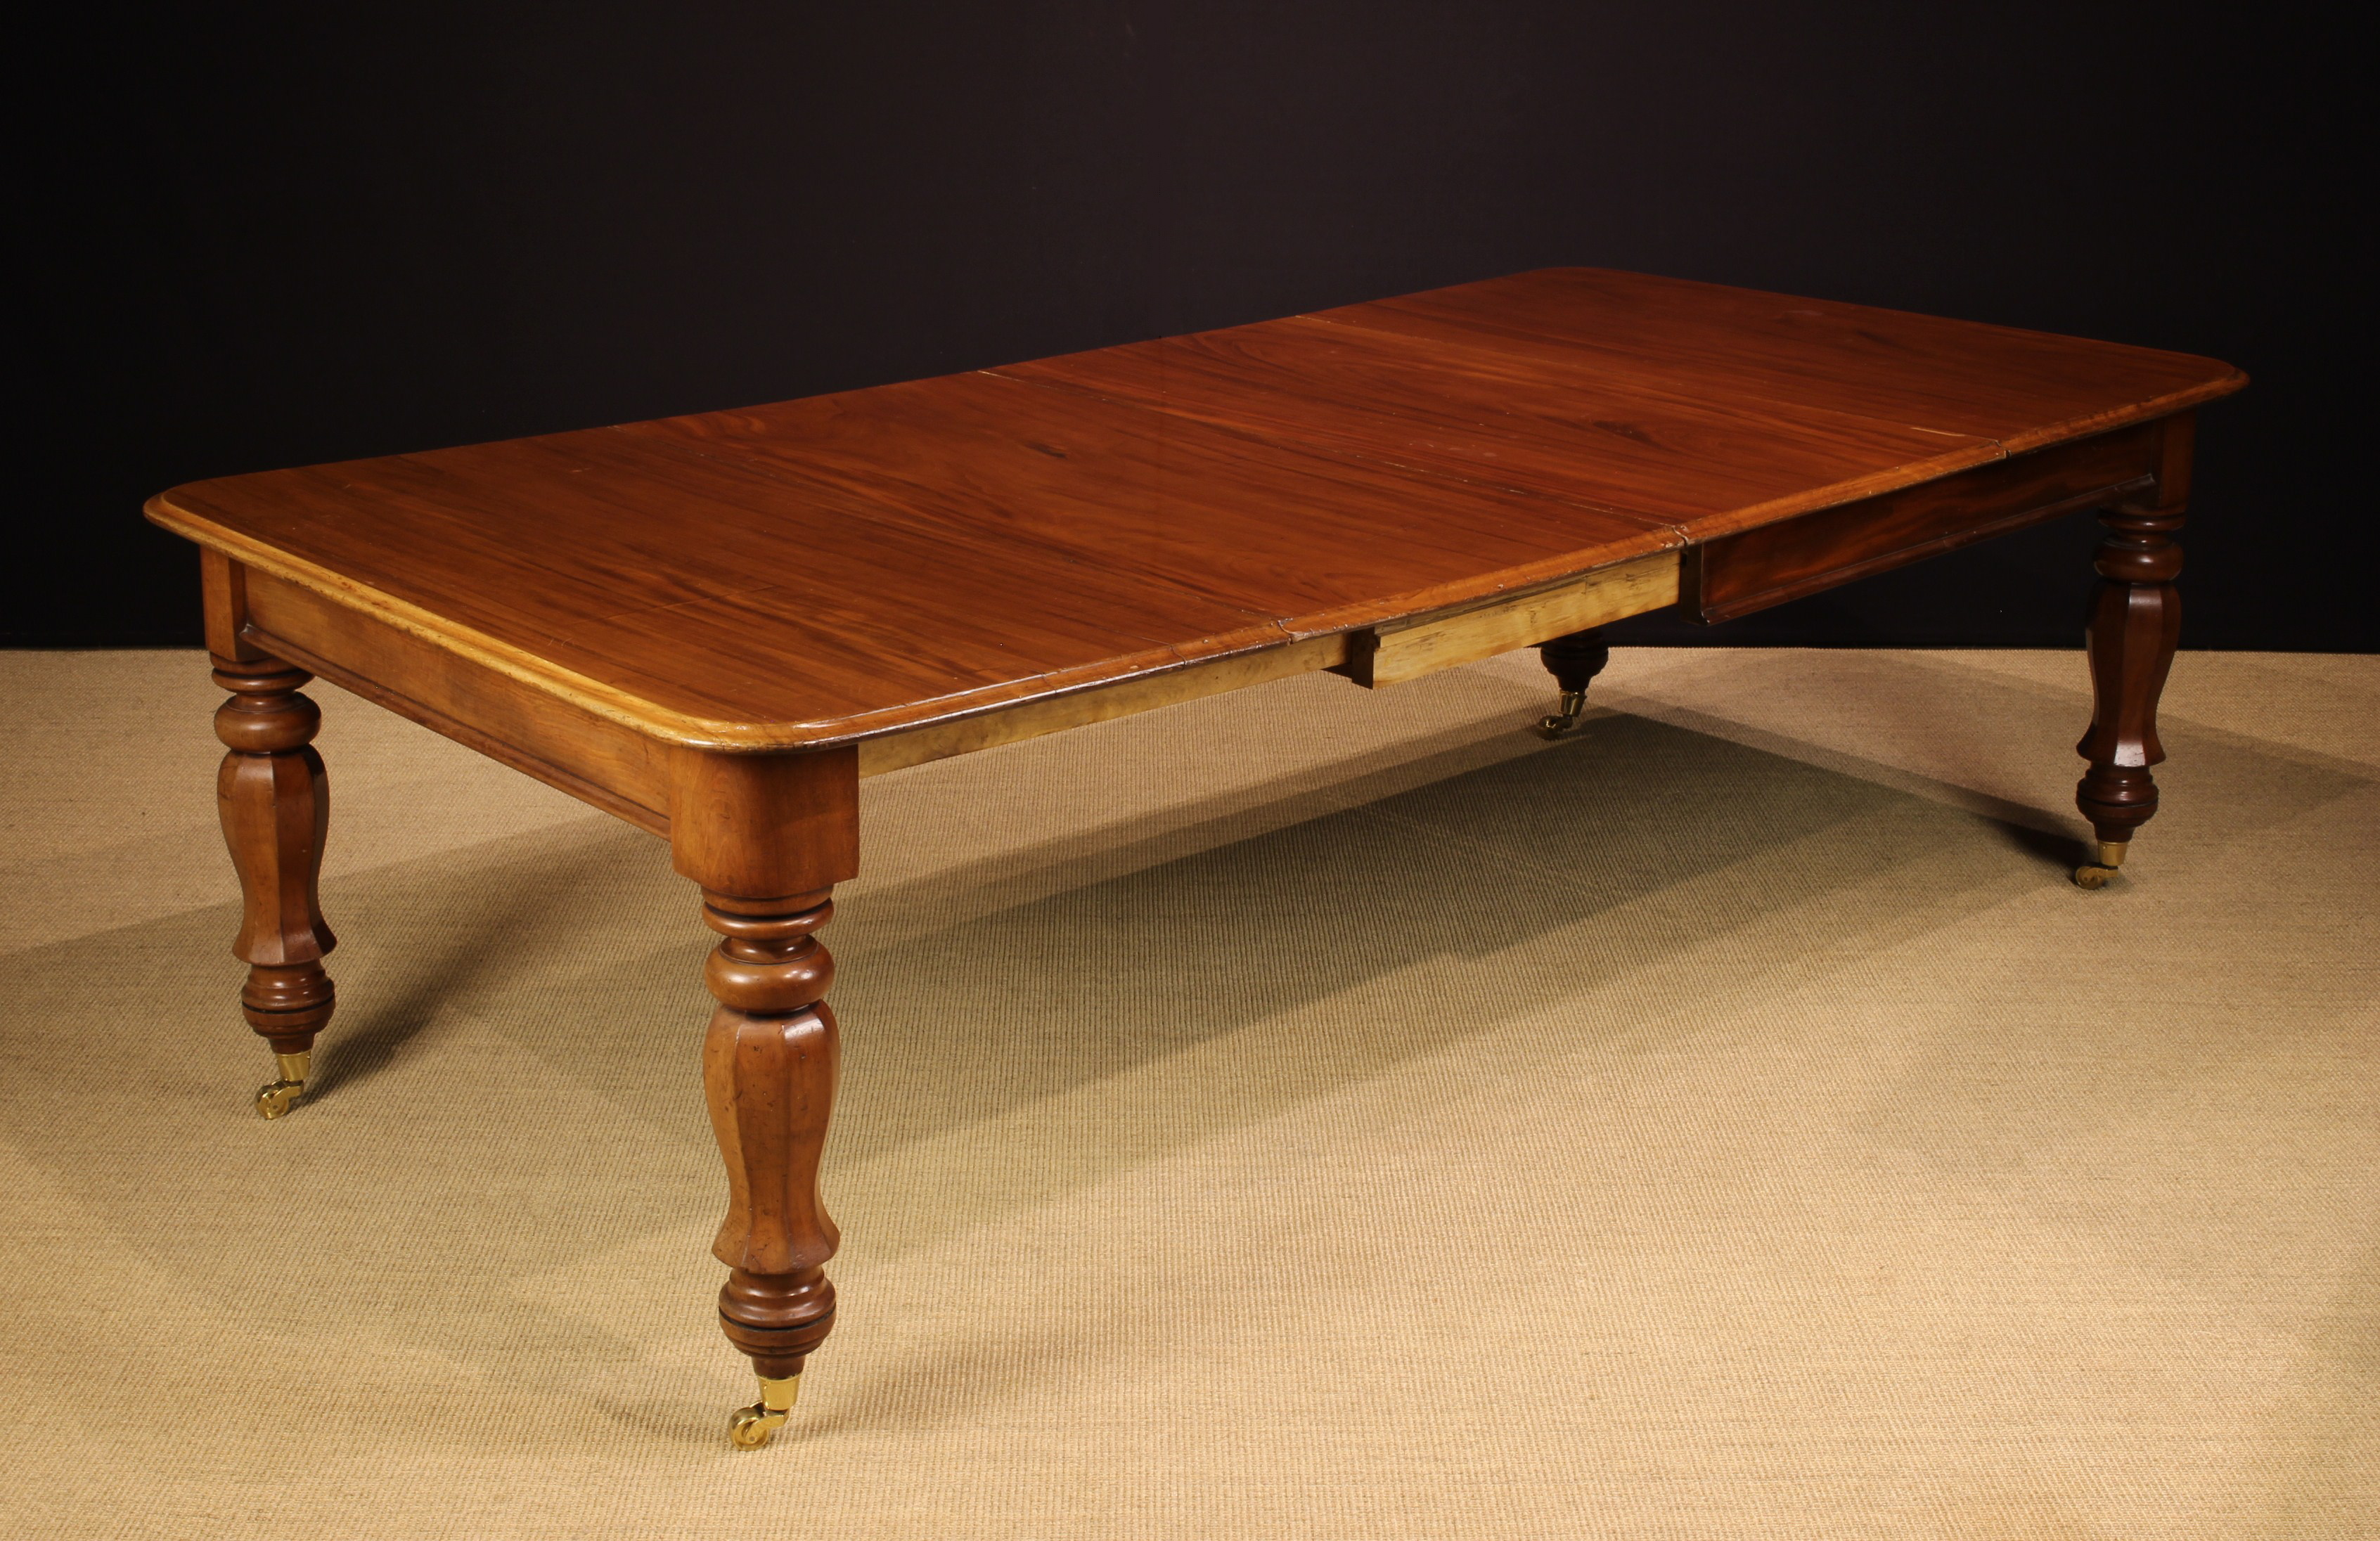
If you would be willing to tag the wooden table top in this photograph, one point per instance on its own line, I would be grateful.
(816, 571)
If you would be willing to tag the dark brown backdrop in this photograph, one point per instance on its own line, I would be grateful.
(326, 232)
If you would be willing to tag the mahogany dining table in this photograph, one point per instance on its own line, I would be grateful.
(714, 625)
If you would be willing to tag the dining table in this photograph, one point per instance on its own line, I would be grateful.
(715, 625)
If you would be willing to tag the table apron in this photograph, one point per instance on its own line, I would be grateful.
(1735, 575)
(627, 773)
(599, 761)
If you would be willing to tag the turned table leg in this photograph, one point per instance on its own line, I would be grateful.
(2135, 623)
(1573, 661)
(275, 807)
(767, 837)
(768, 1071)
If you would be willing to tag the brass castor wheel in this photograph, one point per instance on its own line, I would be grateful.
(1573, 706)
(279, 1097)
(750, 1428)
(2096, 874)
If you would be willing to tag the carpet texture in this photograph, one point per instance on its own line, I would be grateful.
(1309, 1112)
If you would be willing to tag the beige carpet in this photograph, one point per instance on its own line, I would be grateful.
(1306, 1113)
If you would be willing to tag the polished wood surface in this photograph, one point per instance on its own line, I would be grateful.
(713, 627)
(2022, 390)
(769, 1066)
(849, 567)
(2135, 627)
(735, 580)
(275, 805)
(594, 758)
(275, 801)
(1738, 573)
(1519, 410)
(766, 838)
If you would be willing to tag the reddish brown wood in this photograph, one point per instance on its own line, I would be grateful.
(2135, 627)
(866, 563)
(695, 623)
(767, 837)
(766, 824)
(275, 806)
(816, 572)
(2020, 389)
(1735, 575)
(608, 764)
(1557, 421)
(768, 1065)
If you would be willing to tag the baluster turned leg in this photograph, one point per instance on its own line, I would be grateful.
(275, 806)
(1573, 661)
(768, 1071)
(2135, 623)
(745, 827)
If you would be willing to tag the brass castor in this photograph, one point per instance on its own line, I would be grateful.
(2094, 874)
(1573, 706)
(751, 1428)
(277, 1098)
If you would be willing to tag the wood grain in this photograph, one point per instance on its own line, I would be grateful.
(931, 550)
(594, 758)
(275, 805)
(713, 625)
(1393, 654)
(770, 1061)
(2021, 389)
(1057, 713)
(764, 825)
(1739, 573)
(1557, 421)
(767, 837)
(824, 572)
